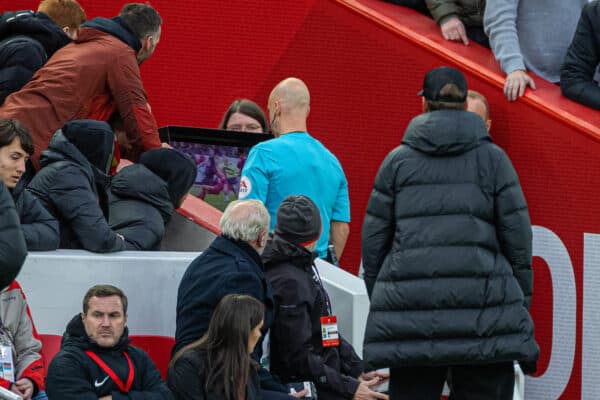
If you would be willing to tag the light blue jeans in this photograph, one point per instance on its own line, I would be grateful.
(40, 396)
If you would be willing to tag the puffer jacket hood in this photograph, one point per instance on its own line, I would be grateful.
(35, 25)
(279, 250)
(176, 169)
(87, 143)
(446, 132)
(75, 336)
(139, 183)
(113, 26)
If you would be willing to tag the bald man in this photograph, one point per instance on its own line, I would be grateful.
(478, 104)
(296, 163)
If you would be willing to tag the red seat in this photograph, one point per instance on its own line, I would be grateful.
(50, 346)
(158, 348)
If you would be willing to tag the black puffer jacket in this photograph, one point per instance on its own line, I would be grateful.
(27, 40)
(13, 249)
(297, 352)
(139, 207)
(446, 243)
(73, 375)
(39, 226)
(578, 70)
(72, 185)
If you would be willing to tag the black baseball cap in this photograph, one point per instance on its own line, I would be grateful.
(437, 78)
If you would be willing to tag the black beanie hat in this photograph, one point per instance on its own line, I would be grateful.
(298, 220)
(178, 170)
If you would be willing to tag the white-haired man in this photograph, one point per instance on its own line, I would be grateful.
(231, 264)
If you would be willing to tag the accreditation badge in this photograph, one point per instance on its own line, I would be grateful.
(7, 367)
(329, 331)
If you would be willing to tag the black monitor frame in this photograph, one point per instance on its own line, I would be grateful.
(211, 136)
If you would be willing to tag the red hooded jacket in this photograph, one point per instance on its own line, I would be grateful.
(90, 78)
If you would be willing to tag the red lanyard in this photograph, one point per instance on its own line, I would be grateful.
(111, 373)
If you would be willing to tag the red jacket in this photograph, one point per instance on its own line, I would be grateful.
(88, 79)
(18, 327)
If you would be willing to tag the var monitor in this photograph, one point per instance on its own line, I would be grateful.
(219, 157)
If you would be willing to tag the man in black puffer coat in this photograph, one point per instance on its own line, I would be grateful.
(39, 226)
(96, 360)
(72, 185)
(28, 39)
(143, 196)
(12, 243)
(578, 80)
(446, 248)
(297, 350)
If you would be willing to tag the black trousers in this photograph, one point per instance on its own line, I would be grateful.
(478, 382)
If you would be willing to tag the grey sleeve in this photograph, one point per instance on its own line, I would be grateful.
(500, 24)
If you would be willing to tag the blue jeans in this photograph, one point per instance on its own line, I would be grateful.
(40, 396)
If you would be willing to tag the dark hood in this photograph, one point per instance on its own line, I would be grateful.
(94, 139)
(79, 140)
(139, 183)
(75, 336)
(115, 27)
(35, 25)
(445, 132)
(175, 168)
(279, 250)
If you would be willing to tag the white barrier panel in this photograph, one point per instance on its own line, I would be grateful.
(55, 283)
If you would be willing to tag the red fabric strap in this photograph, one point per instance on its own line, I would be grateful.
(123, 388)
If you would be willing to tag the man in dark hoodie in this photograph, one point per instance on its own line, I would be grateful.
(72, 185)
(143, 196)
(39, 226)
(92, 78)
(446, 248)
(96, 360)
(297, 349)
(28, 39)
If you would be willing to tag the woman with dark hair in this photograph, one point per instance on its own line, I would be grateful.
(218, 365)
(244, 115)
(39, 227)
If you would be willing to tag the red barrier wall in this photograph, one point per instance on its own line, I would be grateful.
(364, 62)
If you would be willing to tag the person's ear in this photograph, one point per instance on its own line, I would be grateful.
(488, 123)
(425, 108)
(82, 316)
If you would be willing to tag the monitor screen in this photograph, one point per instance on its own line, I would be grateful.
(219, 157)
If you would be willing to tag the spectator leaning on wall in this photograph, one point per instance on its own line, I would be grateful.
(460, 20)
(530, 35)
(99, 74)
(578, 76)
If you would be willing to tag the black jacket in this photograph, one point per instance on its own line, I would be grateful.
(39, 226)
(578, 70)
(139, 207)
(297, 353)
(27, 40)
(13, 249)
(187, 379)
(446, 245)
(226, 267)
(73, 375)
(73, 189)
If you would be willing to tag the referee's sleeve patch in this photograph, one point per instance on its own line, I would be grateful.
(245, 187)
